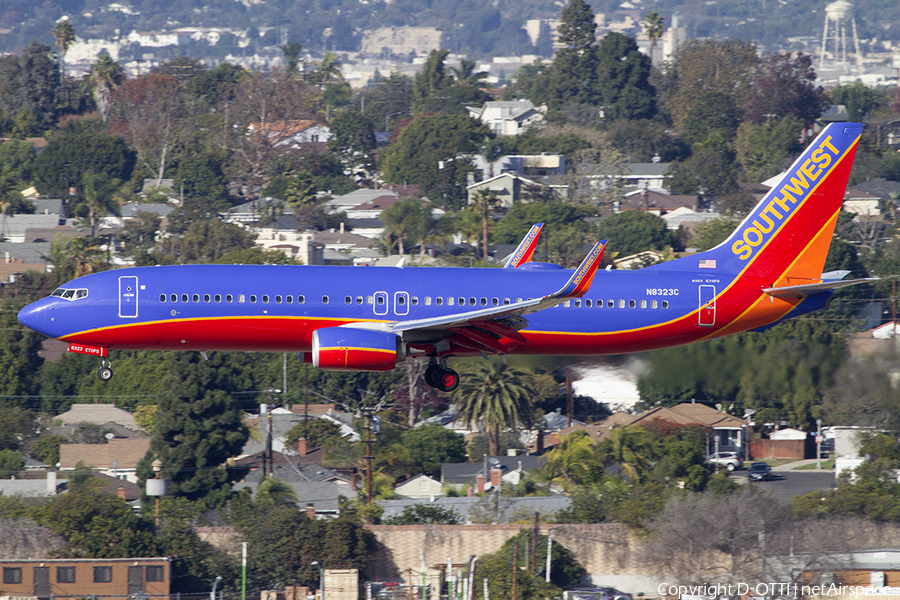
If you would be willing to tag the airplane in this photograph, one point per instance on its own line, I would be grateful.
(371, 319)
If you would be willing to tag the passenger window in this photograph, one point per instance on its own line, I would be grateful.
(162, 297)
(184, 298)
(414, 300)
(610, 304)
(462, 301)
(229, 298)
(506, 302)
(218, 297)
(348, 300)
(439, 300)
(665, 304)
(450, 301)
(631, 304)
(206, 298)
(241, 298)
(578, 303)
(471, 301)
(324, 299)
(518, 299)
(621, 304)
(495, 301)
(290, 299)
(643, 304)
(252, 298)
(196, 298)
(301, 299)
(653, 304)
(587, 303)
(359, 299)
(427, 300)
(567, 303)
(174, 297)
(484, 301)
(265, 299)
(401, 300)
(370, 300)
(380, 300)
(277, 299)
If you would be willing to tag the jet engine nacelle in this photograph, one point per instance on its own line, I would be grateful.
(347, 349)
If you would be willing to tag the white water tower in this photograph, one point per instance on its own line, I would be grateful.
(837, 15)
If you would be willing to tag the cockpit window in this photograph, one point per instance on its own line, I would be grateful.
(75, 294)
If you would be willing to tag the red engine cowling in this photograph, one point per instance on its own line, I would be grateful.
(346, 349)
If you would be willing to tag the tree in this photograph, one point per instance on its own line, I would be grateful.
(634, 231)
(150, 113)
(631, 448)
(11, 462)
(204, 241)
(99, 198)
(408, 220)
(64, 35)
(274, 492)
(712, 112)
(710, 171)
(494, 397)
(573, 462)
(425, 514)
(318, 433)
(485, 201)
(572, 76)
(70, 154)
(425, 154)
(431, 445)
(530, 585)
(466, 74)
(76, 257)
(291, 52)
(19, 358)
(712, 233)
(623, 79)
(431, 80)
(31, 82)
(105, 75)
(859, 99)
(784, 86)
(353, 140)
(640, 140)
(46, 448)
(654, 27)
(197, 429)
(769, 148)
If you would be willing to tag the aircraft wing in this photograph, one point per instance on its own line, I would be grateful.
(503, 321)
(526, 248)
(798, 291)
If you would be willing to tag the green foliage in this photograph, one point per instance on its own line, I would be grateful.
(623, 79)
(425, 154)
(633, 231)
(432, 80)
(353, 138)
(11, 462)
(479, 445)
(96, 151)
(784, 88)
(642, 139)
(431, 445)
(19, 358)
(425, 514)
(274, 492)
(406, 222)
(767, 149)
(203, 241)
(709, 171)
(859, 99)
(198, 427)
(201, 175)
(31, 85)
(712, 233)
(565, 571)
(96, 524)
(554, 215)
(318, 433)
(46, 448)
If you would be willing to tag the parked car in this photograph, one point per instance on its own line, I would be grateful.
(730, 459)
(760, 471)
(596, 593)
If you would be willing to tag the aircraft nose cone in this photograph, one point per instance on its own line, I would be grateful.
(34, 316)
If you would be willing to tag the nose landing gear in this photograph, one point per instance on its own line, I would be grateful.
(441, 377)
(105, 372)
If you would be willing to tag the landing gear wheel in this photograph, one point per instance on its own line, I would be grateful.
(447, 380)
(430, 373)
(105, 373)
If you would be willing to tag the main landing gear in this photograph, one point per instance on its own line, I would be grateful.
(441, 377)
(105, 372)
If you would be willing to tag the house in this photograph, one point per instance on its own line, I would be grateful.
(508, 118)
(86, 577)
(32, 488)
(509, 188)
(294, 133)
(728, 432)
(118, 458)
(420, 486)
(99, 414)
(861, 203)
(489, 473)
(783, 443)
(649, 176)
(285, 236)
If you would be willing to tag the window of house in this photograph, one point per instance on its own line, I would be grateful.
(102, 574)
(155, 573)
(65, 574)
(12, 574)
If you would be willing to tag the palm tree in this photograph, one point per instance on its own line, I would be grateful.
(291, 52)
(75, 257)
(495, 396)
(484, 201)
(274, 492)
(106, 75)
(573, 461)
(654, 27)
(466, 75)
(99, 197)
(328, 69)
(65, 35)
(629, 447)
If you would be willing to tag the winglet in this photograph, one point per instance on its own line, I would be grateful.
(526, 248)
(581, 280)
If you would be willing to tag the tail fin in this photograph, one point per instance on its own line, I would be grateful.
(785, 239)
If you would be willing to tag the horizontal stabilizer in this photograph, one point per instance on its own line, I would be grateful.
(798, 291)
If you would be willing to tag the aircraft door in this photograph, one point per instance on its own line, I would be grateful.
(128, 297)
(401, 303)
(707, 313)
(381, 303)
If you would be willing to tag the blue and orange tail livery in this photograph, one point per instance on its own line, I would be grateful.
(525, 250)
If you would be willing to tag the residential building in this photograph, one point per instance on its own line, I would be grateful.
(509, 188)
(508, 118)
(420, 486)
(86, 577)
(99, 414)
(488, 473)
(861, 203)
(118, 458)
(294, 133)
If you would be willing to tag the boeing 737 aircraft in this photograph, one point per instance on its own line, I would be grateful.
(354, 318)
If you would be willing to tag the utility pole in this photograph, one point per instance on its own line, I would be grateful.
(534, 537)
(269, 437)
(570, 402)
(515, 567)
(368, 458)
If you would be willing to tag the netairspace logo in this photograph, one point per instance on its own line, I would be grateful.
(707, 592)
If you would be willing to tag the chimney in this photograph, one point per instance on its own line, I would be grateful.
(342, 227)
(301, 446)
(479, 482)
(470, 491)
(120, 492)
(51, 482)
(496, 475)
(311, 511)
